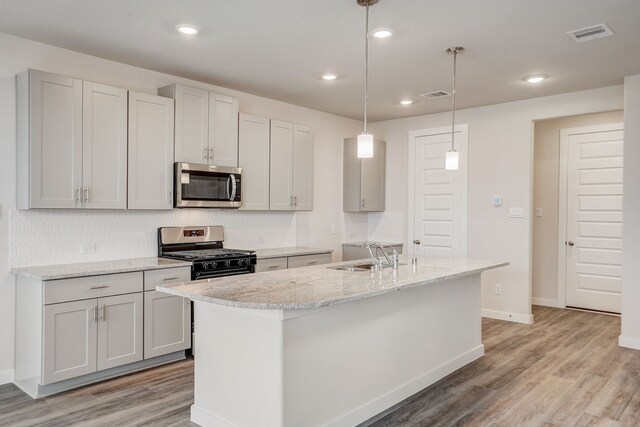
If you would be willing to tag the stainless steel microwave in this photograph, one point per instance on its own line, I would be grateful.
(207, 186)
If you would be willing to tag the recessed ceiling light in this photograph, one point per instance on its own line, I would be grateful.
(535, 79)
(406, 102)
(187, 30)
(382, 33)
(329, 76)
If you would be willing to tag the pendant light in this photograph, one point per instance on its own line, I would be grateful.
(365, 139)
(452, 156)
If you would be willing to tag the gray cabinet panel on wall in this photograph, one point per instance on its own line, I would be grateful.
(253, 158)
(363, 179)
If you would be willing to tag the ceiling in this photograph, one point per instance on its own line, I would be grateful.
(279, 48)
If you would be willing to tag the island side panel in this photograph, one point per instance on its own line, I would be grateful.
(238, 367)
(346, 363)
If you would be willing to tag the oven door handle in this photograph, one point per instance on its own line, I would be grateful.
(232, 180)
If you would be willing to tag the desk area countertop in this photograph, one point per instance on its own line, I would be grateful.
(82, 269)
(289, 251)
(319, 286)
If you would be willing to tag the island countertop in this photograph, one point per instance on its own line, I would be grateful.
(319, 286)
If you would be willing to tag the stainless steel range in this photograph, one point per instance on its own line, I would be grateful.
(203, 247)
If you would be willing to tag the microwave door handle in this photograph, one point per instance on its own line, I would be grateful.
(232, 179)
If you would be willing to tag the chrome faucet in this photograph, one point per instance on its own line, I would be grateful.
(391, 262)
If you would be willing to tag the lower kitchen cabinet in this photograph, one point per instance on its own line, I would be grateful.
(82, 337)
(167, 324)
(283, 263)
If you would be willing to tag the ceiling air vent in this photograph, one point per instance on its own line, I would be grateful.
(590, 33)
(436, 94)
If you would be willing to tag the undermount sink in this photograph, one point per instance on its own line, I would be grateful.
(358, 267)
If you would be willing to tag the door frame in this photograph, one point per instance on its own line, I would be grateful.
(463, 131)
(563, 177)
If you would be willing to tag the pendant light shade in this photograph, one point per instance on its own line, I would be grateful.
(365, 139)
(365, 145)
(452, 157)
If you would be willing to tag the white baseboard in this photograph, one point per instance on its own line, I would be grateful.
(547, 302)
(6, 377)
(206, 419)
(511, 317)
(629, 342)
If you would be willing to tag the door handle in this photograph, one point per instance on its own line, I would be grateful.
(86, 194)
(570, 243)
(210, 154)
(416, 242)
(77, 194)
(205, 154)
(362, 203)
(103, 313)
(234, 188)
(170, 278)
(95, 313)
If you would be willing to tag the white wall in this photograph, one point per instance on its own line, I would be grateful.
(545, 196)
(500, 163)
(54, 236)
(630, 336)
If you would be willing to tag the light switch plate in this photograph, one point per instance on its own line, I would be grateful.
(496, 201)
(516, 213)
(538, 212)
(88, 249)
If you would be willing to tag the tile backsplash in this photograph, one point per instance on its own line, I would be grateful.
(41, 237)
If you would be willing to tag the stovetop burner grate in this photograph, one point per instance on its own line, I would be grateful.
(208, 253)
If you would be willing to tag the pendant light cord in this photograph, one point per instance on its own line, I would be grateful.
(366, 66)
(453, 101)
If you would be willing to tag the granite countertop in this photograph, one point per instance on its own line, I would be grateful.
(319, 286)
(290, 251)
(360, 243)
(66, 271)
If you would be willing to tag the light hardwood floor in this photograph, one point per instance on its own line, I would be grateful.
(565, 370)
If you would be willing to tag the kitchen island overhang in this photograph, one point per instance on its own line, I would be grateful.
(318, 346)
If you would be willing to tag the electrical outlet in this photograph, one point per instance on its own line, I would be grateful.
(88, 249)
(333, 229)
(516, 212)
(260, 239)
(498, 289)
(538, 212)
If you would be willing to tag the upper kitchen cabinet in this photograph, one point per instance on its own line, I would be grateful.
(291, 167)
(150, 151)
(206, 126)
(253, 158)
(364, 179)
(72, 142)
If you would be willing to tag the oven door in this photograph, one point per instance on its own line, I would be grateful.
(207, 186)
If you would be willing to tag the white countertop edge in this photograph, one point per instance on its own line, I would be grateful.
(93, 271)
(318, 304)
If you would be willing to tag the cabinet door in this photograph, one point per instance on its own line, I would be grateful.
(271, 264)
(119, 330)
(150, 182)
(192, 125)
(351, 200)
(167, 324)
(281, 166)
(104, 147)
(372, 180)
(223, 130)
(70, 334)
(302, 168)
(253, 158)
(55, 131)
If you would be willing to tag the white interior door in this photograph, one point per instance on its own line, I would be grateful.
(439, 196)
(593, 245)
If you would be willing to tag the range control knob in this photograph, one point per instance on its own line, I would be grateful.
(227, 263)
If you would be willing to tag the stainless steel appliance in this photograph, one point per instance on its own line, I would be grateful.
(203, 246)
(207, 186)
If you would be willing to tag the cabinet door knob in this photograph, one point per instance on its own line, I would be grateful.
(570, 243)
(416, 242)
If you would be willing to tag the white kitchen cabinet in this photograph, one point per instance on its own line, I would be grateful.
(206, 126)
(150, 182)
(363, 179)
(291, 167)
(271, 264)
(104, 147)
(69, 340)
(309, 260)
(253, 158)
(72, 141)
(120, 329)
(167, 324)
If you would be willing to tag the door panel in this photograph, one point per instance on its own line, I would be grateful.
(440, 196)
(167, 324)
(104, 147)
(120, 330)
(223, 130)
(303, 168)
(191, 124)
(372, 179)
(281, 170)
(594, 219)
(70, 336)
(253, 158)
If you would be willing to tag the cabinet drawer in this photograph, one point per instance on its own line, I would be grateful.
(153, 278)
(80, 288)
(308, 260)
(271, 264)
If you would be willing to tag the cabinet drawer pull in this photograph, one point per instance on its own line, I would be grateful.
(103, 313)
(99, 287)
(273, 267)
(95, 313)
(170, 278)
(312, 262)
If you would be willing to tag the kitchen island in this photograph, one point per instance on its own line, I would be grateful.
(324, 345)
